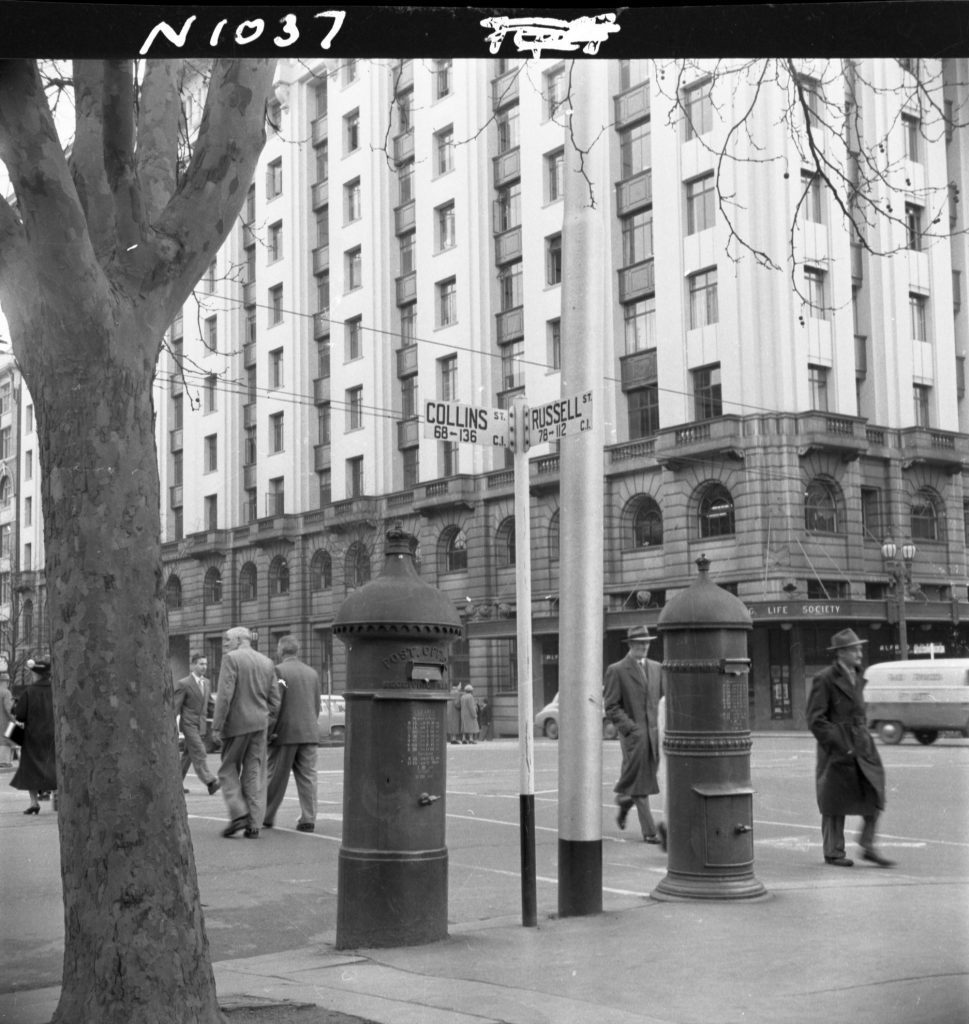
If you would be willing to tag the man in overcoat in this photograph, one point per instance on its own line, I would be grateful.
(294, 735)
(191, 701)
(849, 777)
(632, 690)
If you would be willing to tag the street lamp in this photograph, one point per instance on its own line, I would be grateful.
(900, 571)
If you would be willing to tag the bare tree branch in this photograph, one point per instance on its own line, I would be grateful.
(87, 155)
(159, 111)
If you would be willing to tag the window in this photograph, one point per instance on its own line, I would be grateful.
(411, 466)
(276, 432)
(5, 391)
(871, 513)
(356, 569)
(405, 111)
(5, 492)
(210, 278)
(407, 248)
(319, 96)
(814, 293)
(553, 260)
(645, 524)
(323, 420)
(643, 409)
(698, 107)
(553, 332)
(715, 512)
(921, 395)
(275, 241)
(442, 78)
(818, 385)
(173, 593)
(510, 286)
(405, 182)
(447, 302)
(29, 456)
(924, 515)
(276, 498)
(212, 333)
(322, 161)
(274, 178)
(913, 227)
(210, 394)
(444, 150)
(351, 201)
(28, 511)
(508, 129)
(505, 543)
(211, 512)
(637, 237)
(449, 458)
(554, 92)
(821, 508)
(248, 582)
(707, 397)
(911, 130)
(508, 212)
(512, 368)
(323, 228)
(811, 203)
(211, 453)
(917, 305)
(323, 359)
(321, 571)
(6, 533)
(408, 324)
(555, 537)
(354, 407)
(249, 450)
(354, 332)
(554, 172)
(350, 71)
(455, 545)
(633, 72)
(640, 325)
(250, 325)
(351, 132)
(275, 305)
(445, 227)
(703, 298)
(276, 368)
(323, 294)
(408, 397)
(212, 587)
(448, 369)
(278, 577)
(810, 94)
(29, 420)
(634, 150)
(355, 477)
(353, 269)
(700, 204)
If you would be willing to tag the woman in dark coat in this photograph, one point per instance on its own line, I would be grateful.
(849, 775)
(35, 710)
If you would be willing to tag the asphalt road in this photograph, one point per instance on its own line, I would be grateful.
(280, 892)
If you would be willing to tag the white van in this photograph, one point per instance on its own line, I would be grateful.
(923, 697)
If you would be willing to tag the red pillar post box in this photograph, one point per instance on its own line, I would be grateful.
(393, 862)
(709, 803)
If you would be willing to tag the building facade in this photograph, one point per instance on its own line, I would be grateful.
(402, 243)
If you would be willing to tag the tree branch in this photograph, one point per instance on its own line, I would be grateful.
(158, 116)
(87, 156)
(118, 140)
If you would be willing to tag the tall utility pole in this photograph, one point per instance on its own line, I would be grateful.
(584, 263)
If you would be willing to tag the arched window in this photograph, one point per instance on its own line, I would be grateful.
(821, 507)
(645, 524)
(173, 593)
(212, 587)
(356, 570)
(248, 582)
(924, 515)
(278, 577)
(454, 545)
(554, 536)
(505, 543)
(715, 512)
(321, 571)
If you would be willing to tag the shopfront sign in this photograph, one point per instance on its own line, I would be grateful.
(802, 610)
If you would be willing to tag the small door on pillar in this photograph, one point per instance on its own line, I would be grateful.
(726, 824)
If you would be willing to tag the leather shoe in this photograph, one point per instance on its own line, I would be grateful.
(251, 833)
(305, 826)
(839, 862)
(652, 840)
(876, 858)
(214, 786)
(663, 836)
(236, 825)
(624, 809)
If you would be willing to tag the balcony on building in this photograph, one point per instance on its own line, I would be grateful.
(632, 106)
(206, 543)
(404, 146)
(249, 354)
(510, 324)
(635, 192)
(504, 89)
(28, 581)
(407, 360)
(249, 480)
(321, 390)
(408, 433)
(404, 75)
(249, 293)
(319, 129)
(939, 448)
(176, 496)
(508, 167)
(177, 439)
(248, 236)
(321, 324)
(631, 454)
(719, 438)
(544, 473)
(407, 288)
(178, 325)
(249, 414)
(637, 369)
(321, 259)
(275, 527)
(637, 281)
(843, 436)
(405, 217)
(508, 246)
(320, 194)
(321, 457)
(452, 492)
(353, 512)
(499, 484)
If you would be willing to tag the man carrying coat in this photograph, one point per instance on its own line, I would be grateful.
(849, 776)
(191, 701)
(632, 690)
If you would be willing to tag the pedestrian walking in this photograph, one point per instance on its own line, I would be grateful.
(454, 714)
(246, 698)
(294, 735)
(632, 690)
(191, 703)
(469, 716)
(8, 748)
(484, 718)
(34, 709)
(849, 775)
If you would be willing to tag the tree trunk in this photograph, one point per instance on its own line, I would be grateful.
(135, 945)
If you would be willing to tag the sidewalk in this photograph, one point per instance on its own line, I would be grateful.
(865, 945)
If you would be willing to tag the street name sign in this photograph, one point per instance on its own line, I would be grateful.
(561, 418)
(453, 421)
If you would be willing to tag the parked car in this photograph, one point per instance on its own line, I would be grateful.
(332, 723)
(547, 722)
(920, 696)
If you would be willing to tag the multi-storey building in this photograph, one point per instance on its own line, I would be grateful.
(402, 242)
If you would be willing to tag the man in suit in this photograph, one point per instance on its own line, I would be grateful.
(294, 735)
(849, 776)
(632, 690)
(247, 697)
(191, 701)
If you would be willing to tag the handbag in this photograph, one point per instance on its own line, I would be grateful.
(16, 733)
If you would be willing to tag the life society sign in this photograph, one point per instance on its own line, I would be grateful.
(453, 421)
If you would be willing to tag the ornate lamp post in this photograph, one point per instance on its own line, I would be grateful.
(900, 573)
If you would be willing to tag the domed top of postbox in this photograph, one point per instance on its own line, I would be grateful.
(398, 601)
(704, 605)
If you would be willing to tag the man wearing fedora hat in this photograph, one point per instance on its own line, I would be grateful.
(632, 690)
(850, 778)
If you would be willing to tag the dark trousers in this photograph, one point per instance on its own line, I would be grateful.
(300, 759)
(194, 754)
(833, 834)
(243, 776)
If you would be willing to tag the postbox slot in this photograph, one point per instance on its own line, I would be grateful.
(426, 673)
(734, 666)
